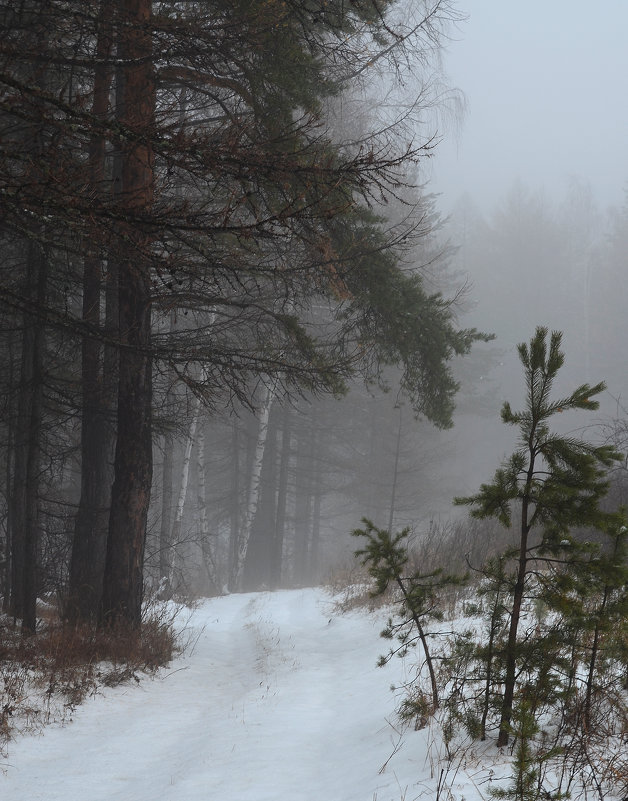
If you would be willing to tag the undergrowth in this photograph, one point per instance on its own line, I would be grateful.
(44, 677)
(568, 734)
(351, 586)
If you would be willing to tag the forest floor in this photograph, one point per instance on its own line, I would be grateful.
(276, 698)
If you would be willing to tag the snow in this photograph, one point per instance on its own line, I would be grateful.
(279, 699)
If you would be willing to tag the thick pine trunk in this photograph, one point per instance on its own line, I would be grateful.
(123, 580)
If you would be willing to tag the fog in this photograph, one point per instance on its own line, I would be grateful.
(533, 175)
(531, 178)
(545, 85)
(467, 164)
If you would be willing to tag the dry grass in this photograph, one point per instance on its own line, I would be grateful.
(351, 586)
(43, 678)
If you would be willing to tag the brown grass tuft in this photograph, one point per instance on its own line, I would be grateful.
(44, 677)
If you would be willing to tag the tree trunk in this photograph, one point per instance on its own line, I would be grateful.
(393, 491)
(175, 536)
(123, 581)
(209, 561)
(254, 490)
(511, 645)
(595, 647)
(90, 531)
(234, 516)
(165, 528)
(303, 506)
(276, 565)
(317, 497)
(167, 477)
(25, 517)
(424, 643)
(257, 569)
(11, 417)
(494, 626)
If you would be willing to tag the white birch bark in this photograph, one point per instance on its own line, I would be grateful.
(254, 487)
(183, 489)
(206, 545)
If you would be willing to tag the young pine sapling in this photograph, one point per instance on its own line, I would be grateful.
(553, 483)
(386, 557)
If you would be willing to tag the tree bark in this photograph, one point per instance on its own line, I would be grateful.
(175, 536)
(515, 614)
(257, 569)
(303, 504)
(90, 529)
(254, 490)
(10, 455)
(209, 561)
(234, 516)
(276, 565)
(165, 528)
(123, 580)
(25, 517)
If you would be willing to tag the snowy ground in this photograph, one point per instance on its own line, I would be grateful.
(279, 700)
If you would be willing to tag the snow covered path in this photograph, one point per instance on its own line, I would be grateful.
(279, 700)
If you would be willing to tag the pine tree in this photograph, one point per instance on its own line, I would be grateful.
(495, 588)
(554, 483)
(527, 779)
(592, 603)
(386, 556)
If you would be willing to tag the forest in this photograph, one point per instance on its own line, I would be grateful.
(209, 226)
(234, 322)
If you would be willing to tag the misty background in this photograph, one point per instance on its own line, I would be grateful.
(545, 88)
(490, 139)
(533, 178)
(528, 180)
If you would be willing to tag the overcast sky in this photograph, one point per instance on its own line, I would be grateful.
(546, 82)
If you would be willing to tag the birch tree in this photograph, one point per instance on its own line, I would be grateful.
(209, 560)
(244, 534)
